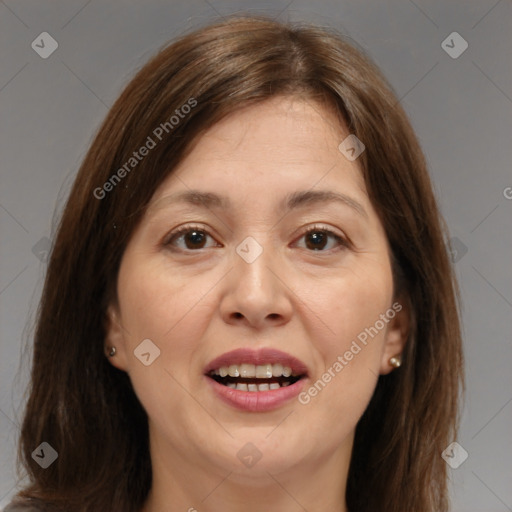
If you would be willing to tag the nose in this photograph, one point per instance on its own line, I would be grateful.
(256, 293)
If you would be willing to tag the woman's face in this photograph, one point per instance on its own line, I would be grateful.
(281, 257)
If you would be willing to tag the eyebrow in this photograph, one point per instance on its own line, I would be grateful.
(293, 201)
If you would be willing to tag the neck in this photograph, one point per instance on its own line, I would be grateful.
(184, 483)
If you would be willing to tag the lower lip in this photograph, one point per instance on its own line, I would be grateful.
(256, 401)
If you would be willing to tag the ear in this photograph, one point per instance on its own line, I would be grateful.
(116, 336)
(397, 333)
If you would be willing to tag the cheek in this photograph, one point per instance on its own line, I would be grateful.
(350, 303)
(165, 308)
(350, 349)
(155, 301)
(156, 304)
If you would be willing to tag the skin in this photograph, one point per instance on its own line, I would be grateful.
(198, 303)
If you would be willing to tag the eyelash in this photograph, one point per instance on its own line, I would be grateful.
(175, 235)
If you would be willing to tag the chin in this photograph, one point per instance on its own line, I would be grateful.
(256, 452)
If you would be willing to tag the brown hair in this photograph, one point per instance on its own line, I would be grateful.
(88, 411)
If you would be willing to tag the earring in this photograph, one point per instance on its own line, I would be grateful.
(112, 352)
(396, 361)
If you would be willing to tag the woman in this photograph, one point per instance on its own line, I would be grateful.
(249, 302)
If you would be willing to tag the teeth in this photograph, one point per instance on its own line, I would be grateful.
(248, 371)
(264, 371)
(233, 371)
(277, 370)
(256, 387)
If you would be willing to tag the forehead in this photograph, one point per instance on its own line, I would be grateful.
(281, 144)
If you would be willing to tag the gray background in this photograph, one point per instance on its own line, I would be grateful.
(461, 109)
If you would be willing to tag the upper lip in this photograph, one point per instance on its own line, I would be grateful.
(257, 357)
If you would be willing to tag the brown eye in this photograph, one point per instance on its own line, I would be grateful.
(317, 239)
(188, 238)
(194, 239)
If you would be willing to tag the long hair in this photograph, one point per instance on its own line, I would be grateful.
(87, 410)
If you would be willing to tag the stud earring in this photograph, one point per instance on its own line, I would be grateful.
(112, 352)
(396, 361)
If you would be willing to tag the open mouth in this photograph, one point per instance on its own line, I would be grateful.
(254, 378)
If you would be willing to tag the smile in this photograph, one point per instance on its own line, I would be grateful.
(256, 380)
